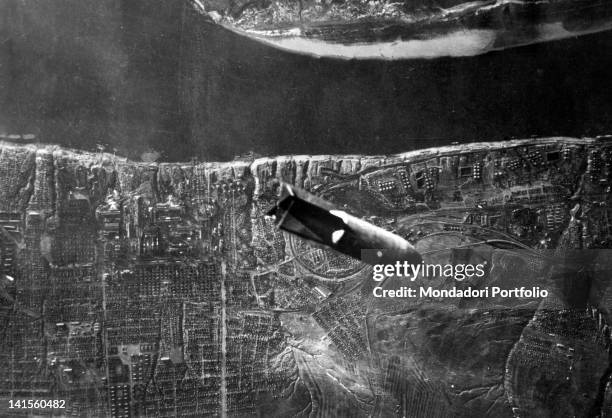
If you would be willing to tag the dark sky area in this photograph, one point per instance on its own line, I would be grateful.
(142, 75)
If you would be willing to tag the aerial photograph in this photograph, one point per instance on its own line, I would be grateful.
(306, 208)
